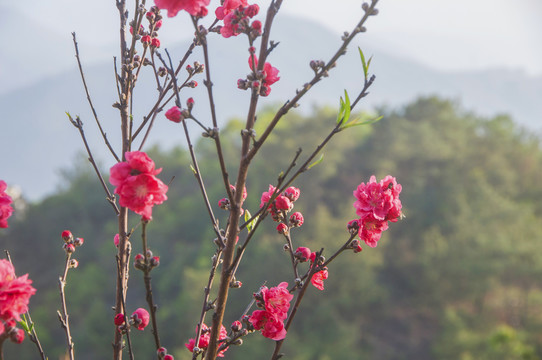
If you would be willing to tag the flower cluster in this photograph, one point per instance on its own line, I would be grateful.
(275, 302)
(204, 339)
(15, 293)
(5, 205)
(263, 80)
(70, 243)
(139, 319)
(150, 37)
(376, 204)
(280, 206)
(136, 184)
(236, 15)
(193, 7)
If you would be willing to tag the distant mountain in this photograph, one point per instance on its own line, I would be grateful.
(37, 140)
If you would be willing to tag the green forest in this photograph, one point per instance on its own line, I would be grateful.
(458, 278)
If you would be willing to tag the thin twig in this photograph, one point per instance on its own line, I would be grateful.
(148, 286)
(64, 317)
(104, 135)
(124, 313)
(79, 125)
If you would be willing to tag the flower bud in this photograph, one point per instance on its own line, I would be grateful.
(252, 10)
(296, 219)
(139, 262)
(190, 103)
(302, 254)
(67, 235)
(146, 40)
(69, 248)
(282, 228)
(116, 240)
(161, 352)
(73, 264)
(292, 193)
(119, 319)
(236, 326)
(158, 25)
(16, 335)
(224, 204)
(150, 16)
(170, 357)
(353, 226)
(155, 43)
(174, 114)
(78, 241)
(155, 261)
(140, 318)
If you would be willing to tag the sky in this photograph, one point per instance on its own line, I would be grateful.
(447, 35)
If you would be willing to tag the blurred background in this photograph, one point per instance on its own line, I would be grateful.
(459, 84)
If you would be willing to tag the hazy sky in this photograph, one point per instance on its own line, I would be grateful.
(445, 34)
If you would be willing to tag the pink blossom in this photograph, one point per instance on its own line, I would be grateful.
(169, 357)
(193, 7)
(283, 203)
(205, 338)
(136, 184)
(318, 279)
(116, 240)
(266, 196)
(380, 200)
(270, 72)
(277, 299)
(292, 193)
(371, 230)
(269, 324)
(296, 219)
(228, 6)
(5, 205)
(302, 253)
(15, 292)
(174, 114)
(140, 318)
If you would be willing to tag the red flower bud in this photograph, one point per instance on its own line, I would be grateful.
(296, 219)
(174, 114)
(282, 228)
(140, 318)
(155, 42)
(119, 319)
(67, 235)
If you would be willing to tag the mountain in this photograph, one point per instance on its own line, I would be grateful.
(37, 139)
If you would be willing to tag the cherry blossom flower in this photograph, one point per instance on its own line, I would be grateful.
(136, 184)
(376, 204)
(318, 279)
(270, 75)
(228, 6)
(193, 7)
(15, 292)
(269, 324)
(5, 205)
(205, 338)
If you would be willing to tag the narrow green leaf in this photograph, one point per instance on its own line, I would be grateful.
(363, 63)
(193, 170)
(320, 159)
(251, 224)
(346, 107)
(358, 122)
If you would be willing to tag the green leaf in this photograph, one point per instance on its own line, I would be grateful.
(193, 170)
(344, 109)
(320, 159)
(251, 224)
(364, 63)
(358, 122)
